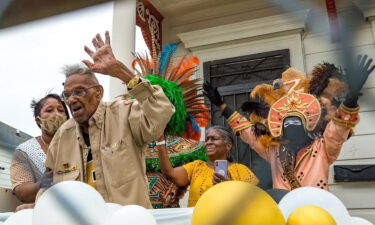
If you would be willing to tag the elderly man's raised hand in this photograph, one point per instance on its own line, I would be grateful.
(104, 61)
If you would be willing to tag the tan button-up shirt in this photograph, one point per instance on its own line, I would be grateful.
(119, 132)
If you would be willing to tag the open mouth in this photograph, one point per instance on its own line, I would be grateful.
(76, 110)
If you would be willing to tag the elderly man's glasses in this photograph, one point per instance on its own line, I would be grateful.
(79, 92)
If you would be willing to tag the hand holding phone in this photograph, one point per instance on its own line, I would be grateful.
(221, 166)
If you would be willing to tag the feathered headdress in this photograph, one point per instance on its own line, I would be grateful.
(308, 97)
(175, 78)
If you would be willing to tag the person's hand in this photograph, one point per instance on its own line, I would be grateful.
(46, 180)
(25, 206)
(218, 178)
(355, 77)
(104, 61)
(212, 94)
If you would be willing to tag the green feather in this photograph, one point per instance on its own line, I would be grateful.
(173, 92)
(153, 164)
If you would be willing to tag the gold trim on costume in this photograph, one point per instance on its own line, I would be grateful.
(304, 106)
(238, 122)
(347, 117)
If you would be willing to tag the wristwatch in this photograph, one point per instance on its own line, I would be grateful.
(133, 82)
(154, 143)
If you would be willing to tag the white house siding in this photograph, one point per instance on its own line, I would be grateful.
(5, 160)
(8, 201)
(359, 197)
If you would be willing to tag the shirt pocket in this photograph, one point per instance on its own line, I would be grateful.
(65, 176)
(118, 161)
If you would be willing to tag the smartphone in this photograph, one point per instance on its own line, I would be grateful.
(221, 166)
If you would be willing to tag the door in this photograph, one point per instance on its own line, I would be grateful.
(235, 78)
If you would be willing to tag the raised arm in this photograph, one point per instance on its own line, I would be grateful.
(150, 114)
(152, 111)
(104, 61)
(347, 115)
(239, 124)
(177, 175)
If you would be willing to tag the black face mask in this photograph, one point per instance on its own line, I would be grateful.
(294, 134)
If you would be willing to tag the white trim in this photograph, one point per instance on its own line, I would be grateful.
(291, 23)
(367, 7)
(293, 42)
(368, 10)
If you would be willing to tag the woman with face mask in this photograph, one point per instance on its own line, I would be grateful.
(27, 170)
(201, 175)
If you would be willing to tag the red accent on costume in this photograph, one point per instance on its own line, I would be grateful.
(149, 19)
(333, 20)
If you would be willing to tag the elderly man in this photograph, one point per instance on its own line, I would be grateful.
(103, 145)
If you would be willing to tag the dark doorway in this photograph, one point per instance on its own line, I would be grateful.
(235, 78)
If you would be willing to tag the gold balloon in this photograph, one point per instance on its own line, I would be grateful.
(236, 203)
(310, 215)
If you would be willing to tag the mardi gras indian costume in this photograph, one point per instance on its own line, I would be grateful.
(183, 130)
(296, 123)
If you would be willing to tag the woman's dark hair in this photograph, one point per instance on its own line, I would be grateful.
(226, 134)
(37, 105)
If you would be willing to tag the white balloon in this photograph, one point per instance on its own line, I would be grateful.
(130, 215)
(23, 217)
(318, 197)
(112, 208)
(360, 221)
(70, 203)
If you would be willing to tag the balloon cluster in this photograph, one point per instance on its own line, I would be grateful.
(240, 203)
(76, 203)
(231, 203)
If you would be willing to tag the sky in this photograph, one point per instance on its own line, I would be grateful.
(32, 55)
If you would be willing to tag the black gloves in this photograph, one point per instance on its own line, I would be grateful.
(212, 94)
(355, 79)
(46, 180)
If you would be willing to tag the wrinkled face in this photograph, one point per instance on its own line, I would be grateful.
(84, 97)
(216, 147)
(50, 107)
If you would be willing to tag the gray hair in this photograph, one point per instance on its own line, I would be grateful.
(225, 133)
(69, 70)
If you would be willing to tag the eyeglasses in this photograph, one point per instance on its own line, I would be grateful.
(79, 92)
